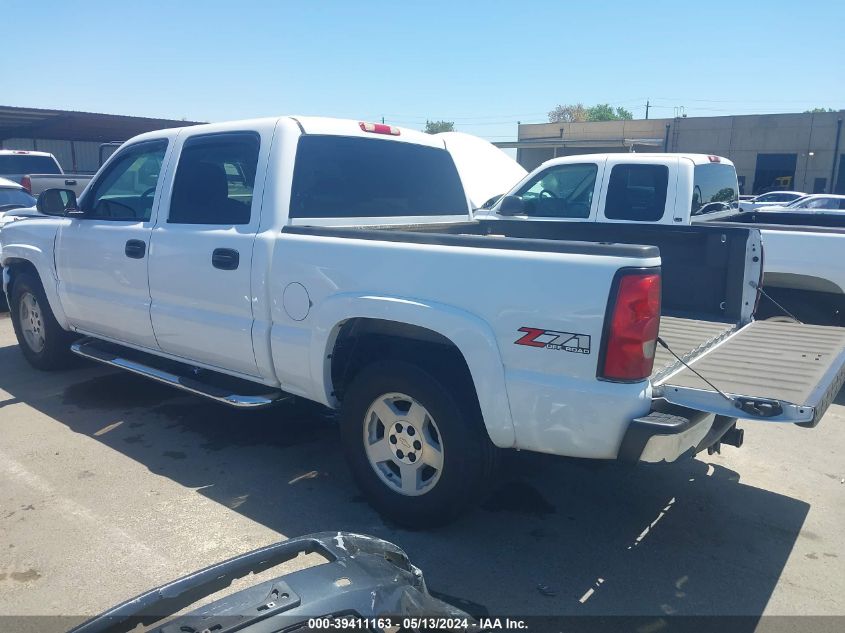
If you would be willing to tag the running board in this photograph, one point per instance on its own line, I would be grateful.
(88, 348)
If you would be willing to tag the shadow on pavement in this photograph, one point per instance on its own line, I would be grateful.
(557, 536)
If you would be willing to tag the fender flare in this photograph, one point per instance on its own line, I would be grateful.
(471, 335)
(43, 264)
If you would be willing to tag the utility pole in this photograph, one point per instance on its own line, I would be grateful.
(382, 120)
(646, 108)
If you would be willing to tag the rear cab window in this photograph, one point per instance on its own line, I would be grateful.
(352, 177)
(714, 189)
(28, 164)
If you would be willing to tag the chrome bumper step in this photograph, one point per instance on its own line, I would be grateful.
(144, 365)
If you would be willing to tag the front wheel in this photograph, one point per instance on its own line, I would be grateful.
(40, 337)
(417, 448)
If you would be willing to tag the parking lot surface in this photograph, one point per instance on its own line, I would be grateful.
(111, 484)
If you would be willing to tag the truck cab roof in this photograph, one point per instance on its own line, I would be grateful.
(307, 125)
(634, 157)
(9, 152)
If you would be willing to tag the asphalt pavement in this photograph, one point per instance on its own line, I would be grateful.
(111, 484)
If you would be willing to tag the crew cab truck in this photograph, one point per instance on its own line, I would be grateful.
(337, 261)
(803, 276)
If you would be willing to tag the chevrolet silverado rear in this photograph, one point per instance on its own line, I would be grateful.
(337, 261)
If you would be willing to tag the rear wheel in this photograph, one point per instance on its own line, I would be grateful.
(417, 448)
(40, 337)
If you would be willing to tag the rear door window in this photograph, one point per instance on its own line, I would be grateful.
(344, 177)
(215, 179)
(714, 189)
(637, 192)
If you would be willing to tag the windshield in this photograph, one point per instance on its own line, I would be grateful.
(28, 164)
(714, 189)
(798, 202)
(827, 203)
(14, 198)
(347, 177)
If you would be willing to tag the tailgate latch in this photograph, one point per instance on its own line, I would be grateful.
(758, 407)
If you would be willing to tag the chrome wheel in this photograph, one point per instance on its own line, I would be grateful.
(403, 444)
(31, 322)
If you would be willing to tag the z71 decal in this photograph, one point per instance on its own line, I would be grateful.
(550, 339)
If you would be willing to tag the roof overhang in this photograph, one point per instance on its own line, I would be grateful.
(77, 126)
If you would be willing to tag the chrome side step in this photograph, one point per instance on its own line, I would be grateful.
(88, 348)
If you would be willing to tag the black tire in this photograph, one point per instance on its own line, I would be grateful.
(55, 352)
(469, 458)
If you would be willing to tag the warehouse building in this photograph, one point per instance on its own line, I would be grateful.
(771, 151)
(79, 140)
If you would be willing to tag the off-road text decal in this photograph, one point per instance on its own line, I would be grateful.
(551, 339)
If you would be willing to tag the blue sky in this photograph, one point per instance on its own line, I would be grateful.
(484, 65)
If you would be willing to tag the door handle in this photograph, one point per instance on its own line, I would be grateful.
(70, 182)
(225, 258)
(135, 249)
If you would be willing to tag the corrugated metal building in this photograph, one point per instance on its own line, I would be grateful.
(74, 138)
(771, 151)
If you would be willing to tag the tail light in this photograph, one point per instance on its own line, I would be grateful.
(26, 183)
(631, 338)
(379, 128)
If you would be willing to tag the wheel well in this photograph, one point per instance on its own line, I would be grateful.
(15, 268)
(362, 341)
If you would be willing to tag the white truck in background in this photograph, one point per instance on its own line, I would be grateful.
(803, 274)
(337, 261)
(39, 171)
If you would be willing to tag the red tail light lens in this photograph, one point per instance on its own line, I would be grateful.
(632, 338)
(26, 183)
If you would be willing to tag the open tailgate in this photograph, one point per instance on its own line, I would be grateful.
(768, 370)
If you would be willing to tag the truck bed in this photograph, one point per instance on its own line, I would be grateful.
(703, 266)
(831, 222)
(688, 338)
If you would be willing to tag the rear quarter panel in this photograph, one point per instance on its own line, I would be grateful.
(535, 398)
(803, 260)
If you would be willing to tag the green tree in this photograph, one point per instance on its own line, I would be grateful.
(435, 127)
(604, 112)
(577, 112)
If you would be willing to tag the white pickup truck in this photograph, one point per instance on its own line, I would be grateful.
(337, 261)
(803, 274)
(38, 171)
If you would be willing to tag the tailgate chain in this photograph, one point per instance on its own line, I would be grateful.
(758, 407)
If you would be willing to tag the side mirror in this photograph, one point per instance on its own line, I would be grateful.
(60, 202)
(511, 205)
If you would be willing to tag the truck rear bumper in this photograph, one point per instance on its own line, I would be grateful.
(665, 435)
